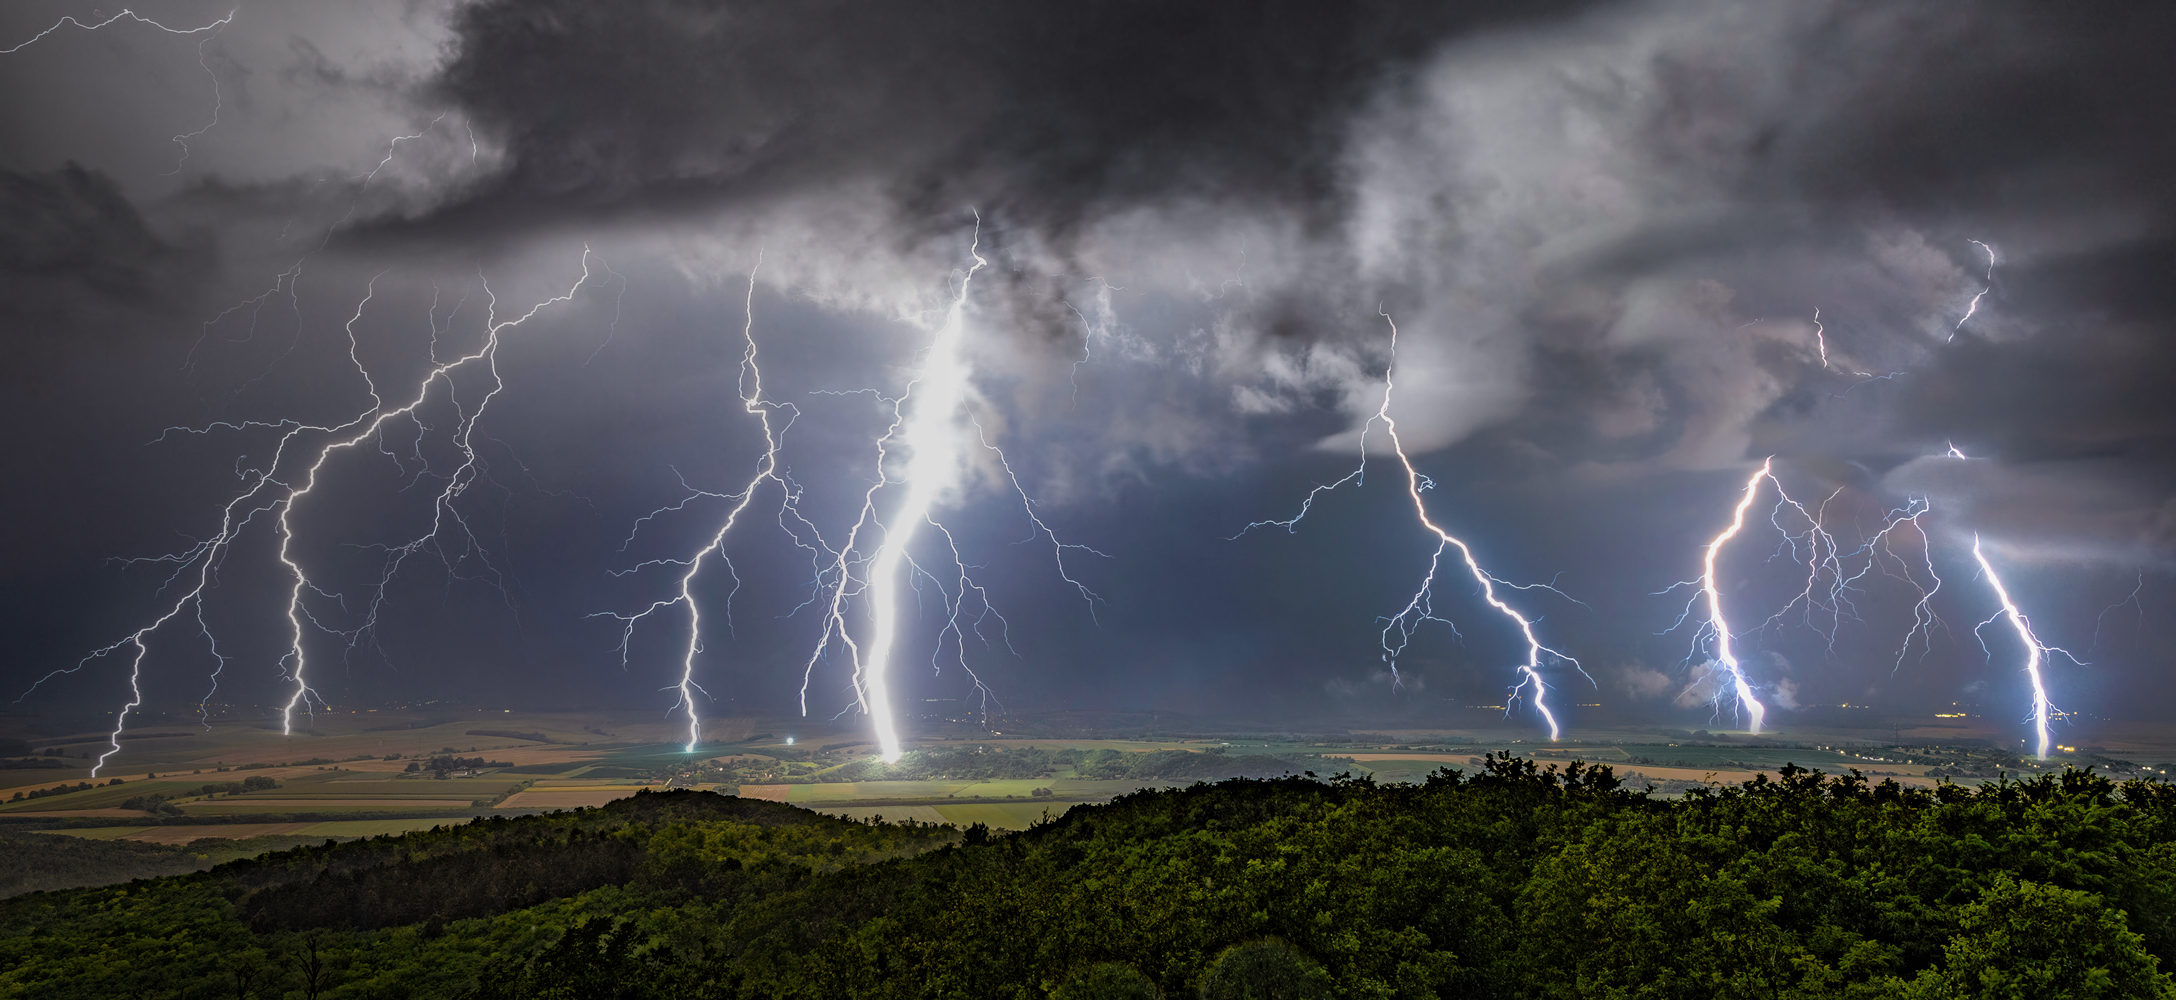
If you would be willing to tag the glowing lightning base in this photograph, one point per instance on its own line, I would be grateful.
(925, 420)
(2034, 650)
(1724, 656)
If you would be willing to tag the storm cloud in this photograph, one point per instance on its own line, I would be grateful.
(1629, 250)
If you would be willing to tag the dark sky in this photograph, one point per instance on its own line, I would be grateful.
(1632, 250)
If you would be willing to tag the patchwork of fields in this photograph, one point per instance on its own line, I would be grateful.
(363, 774)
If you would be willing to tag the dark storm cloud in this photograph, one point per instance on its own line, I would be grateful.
(2078, 370)
(1580, 210)
(1603, 231)
(1042, 112)
(71, 241)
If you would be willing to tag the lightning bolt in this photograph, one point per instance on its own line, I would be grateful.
(2130, 599)
(290, 279)
(1398, 630)
(922, 421)
(1832, 580)
(1924, 620)
(210, 31)
(1716, 624)
(1974, 308)
(264, 491)
(1826, 563)
(1820, 343)
(1833, 576)
(125, 14)
(1100, 327)
(927, 423)
(372, 423)
(750, 388)
(1817, 547)
(1820, 338)
(2035, 650)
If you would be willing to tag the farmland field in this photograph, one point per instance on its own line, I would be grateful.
(349, 774)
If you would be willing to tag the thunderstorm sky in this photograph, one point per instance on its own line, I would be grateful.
(1605, 233)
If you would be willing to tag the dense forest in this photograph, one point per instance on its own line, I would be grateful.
(1515, 882)
(32, 862)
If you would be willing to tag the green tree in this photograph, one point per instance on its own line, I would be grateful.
(2027, 941)
(1107, 981)
(1268, 969)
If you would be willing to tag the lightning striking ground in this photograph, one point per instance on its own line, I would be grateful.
(931, 422)
(1717, 625)
(372, 423)
(265, 492)
(750, 388)
(2035, 650)
(1399, 629)
(924, 419)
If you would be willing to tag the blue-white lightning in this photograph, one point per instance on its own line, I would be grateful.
(367, 426)
(267, 490)
(1724, 656)
(926, 422)
(1974, 308)
(750, 386)
(1398, 631)
(2035, 650)
(932, 423)
(1924, 620)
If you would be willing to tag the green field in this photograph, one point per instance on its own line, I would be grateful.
(100, 832)
(1003, 815)
(843, 791)
(353, 764)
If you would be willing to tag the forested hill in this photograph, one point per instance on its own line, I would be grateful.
(1516, 882)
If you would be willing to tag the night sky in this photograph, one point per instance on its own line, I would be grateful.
(1631, 251)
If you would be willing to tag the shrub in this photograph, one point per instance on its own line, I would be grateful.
(1107, 981)
(1268, 969)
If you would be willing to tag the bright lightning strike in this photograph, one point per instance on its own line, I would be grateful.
(1398, 632)
(2035, 650)
(1820, 338)
(210, 31)
(750, 388)
(1420, 608)
(1724, 656)
(295, 662)
(1974, 308)
(125, 14)
(264, 491)
(924, 421)
(930, 421)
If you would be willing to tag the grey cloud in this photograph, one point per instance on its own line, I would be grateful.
(1041, 112)
(71, 233)
(1604, 233)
